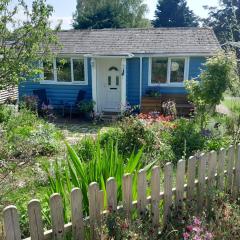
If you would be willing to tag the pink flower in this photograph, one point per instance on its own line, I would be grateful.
(186, 235)
(208, 236)
(197, 229)
(197, 237)
(197, 221)
(189, 228)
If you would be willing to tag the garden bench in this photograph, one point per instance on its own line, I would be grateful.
(183, 106)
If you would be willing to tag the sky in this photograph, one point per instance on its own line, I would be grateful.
(64, 9)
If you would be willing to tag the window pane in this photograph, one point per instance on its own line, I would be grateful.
(159, 70)
(63, 69)
(117, 80)
(109, 81)
(177, 70)
(78, 69)
(48, 71)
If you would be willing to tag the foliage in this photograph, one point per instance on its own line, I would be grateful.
(135, 136)
(174, 13)
(5, 113)
(23, 42)
(106, 162)
(86, 148)
(117, 226)
(86, 106)
(95, 14)
(26, 136)
(220, 74)
(186, 139)
(30, 102)
(225, 20)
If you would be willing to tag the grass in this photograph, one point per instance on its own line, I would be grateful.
(232, 103)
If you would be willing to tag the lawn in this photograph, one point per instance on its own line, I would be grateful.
(232, 103)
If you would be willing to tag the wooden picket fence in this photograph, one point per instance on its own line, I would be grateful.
(194, 178)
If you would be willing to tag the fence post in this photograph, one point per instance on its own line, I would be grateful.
(101, 200)
(94, 209)
(35, 220)
(180, 182)
(76, 214)
(127, 194)
(11, 223)
(155, 195)
(230, 166)
(56, 210)
(221, 162)
(237, 173)
(191, 174)
(201, 180)
(167, 191)
(141, 191)
(112, 194)
(212, 163)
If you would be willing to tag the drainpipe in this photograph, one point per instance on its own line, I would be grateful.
(140, 88)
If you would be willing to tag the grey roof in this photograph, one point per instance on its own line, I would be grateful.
(139, 41)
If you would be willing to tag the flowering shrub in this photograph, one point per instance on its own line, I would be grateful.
(154, 117)
(196, 231)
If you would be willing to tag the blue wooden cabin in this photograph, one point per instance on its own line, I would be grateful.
(117, 67)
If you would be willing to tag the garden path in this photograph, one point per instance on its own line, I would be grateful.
(73, 132)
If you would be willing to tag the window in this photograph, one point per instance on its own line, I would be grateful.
(168, 71)
(78, 70)
(48, 73)
(63, 69)
(159, 70)
(177, 70)
(66, 71)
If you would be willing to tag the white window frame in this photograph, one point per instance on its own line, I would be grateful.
(73, 82)
(168, 83)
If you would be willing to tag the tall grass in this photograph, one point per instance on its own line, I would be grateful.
(106, 162)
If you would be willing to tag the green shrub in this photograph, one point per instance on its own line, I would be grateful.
(5, 113)
(186, 138)
(135, 135)
(27, 136)
(85, 148)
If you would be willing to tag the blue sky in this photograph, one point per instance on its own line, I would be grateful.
(65, 8)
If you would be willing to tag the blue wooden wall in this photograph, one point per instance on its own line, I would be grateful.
(58, 93)
(133, 81)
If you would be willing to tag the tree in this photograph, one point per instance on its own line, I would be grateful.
(99, 14)
(174, 13)
(225, 20)
(23, 43)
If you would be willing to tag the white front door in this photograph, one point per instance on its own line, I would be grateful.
(109, 84)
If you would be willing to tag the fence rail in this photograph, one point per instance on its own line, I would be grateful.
(10, 93)
(194, 178)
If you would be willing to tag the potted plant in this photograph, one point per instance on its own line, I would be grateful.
(86, 107)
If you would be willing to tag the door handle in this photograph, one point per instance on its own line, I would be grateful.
(113, 88)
